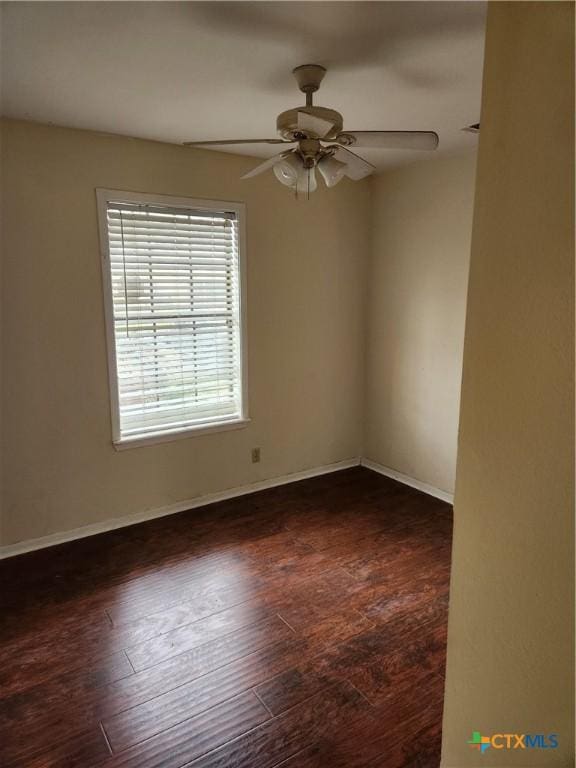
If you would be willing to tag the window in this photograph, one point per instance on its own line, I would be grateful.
(173, 299)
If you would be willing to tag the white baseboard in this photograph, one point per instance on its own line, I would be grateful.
(11, 550)
(419, 485)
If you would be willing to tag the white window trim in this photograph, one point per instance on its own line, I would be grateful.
(105, 196)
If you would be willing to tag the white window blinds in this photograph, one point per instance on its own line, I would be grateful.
(175, 290)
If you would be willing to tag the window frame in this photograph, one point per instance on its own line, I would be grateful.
(105, 196)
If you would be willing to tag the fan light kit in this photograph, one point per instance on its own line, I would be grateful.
(322, 143)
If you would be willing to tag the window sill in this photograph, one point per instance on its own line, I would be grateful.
(183, 434)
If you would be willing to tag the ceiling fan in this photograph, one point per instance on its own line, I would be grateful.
(321, 142)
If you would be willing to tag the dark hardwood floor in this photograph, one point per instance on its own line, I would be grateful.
(302, 627)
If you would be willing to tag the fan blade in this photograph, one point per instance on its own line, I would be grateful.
(311, 124)
(356, 167)
(389, 139)
(235, 141)
(265, 165)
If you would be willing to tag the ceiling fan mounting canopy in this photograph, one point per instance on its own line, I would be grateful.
(322, 142)
(309, 77)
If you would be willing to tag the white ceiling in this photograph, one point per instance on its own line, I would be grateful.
(209, 70)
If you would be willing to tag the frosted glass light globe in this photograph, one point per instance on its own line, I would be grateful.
(332, 170)
(287, 170)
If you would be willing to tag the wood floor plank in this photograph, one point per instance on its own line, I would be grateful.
(146, 640)
(208, 590)
(73, 748)
(400, 734)
(377, 662)
(58, 709)
(290, 733)
(164, 711)
(188, 636)
(335, 626)
(194, 737)
(295, 686)
(185, 667)
(303, 626)
(309, 757)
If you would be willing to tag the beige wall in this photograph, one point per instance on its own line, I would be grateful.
(306, 269)
(510, 641)
(422, 223)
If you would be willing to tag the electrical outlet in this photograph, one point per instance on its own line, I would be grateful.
(255, 455)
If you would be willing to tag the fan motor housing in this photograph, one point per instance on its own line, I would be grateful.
(287, 123)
